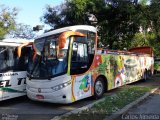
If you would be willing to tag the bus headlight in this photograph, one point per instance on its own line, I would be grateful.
(61, 86)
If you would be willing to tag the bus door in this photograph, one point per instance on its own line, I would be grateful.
(81, 56)
(80, 65)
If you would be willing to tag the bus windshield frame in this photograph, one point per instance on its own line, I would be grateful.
(50, 61)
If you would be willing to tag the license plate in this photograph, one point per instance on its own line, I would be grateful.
(40, 97)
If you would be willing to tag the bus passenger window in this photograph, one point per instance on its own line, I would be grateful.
(7, 60)
(79, 62)
(2, 58)
(23, 61)
(90, 39)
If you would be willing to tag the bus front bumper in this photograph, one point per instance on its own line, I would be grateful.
(63, 95)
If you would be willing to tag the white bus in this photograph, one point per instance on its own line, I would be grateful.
(69, 66)
(14, 58)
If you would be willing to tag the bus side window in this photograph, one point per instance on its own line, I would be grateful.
(91, 46)
(7, 59)
(91, 42)
(24, 59)
(2, 59)
(79, 62)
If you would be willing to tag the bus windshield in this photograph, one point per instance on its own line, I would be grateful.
(49, 61)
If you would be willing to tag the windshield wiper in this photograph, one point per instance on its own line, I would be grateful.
(35, 66)
(47, 69)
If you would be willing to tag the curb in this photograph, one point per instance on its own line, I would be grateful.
(127, 107)
(114, 115)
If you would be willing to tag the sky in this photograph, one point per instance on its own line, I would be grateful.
(30, 11)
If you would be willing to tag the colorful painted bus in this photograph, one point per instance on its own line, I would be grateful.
(14, 58)
(69, 66)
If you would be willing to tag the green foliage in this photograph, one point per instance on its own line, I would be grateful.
(143, 2)
(72, 12)
(154, 17)
(114, 27)
(139, 40)
(146, 39)
(7, 20)
(156, 66)
(119, 21)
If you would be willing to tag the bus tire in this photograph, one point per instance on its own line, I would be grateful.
(99, 88)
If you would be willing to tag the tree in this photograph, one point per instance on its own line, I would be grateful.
(118, 20)
(144, 23)
(121, 23)
(150, 26)
(115, 21)
(154, 17)
(71, 12)
(7, 20)
(22, 31)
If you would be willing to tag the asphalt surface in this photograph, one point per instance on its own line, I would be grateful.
(24, 109)
(30, 110)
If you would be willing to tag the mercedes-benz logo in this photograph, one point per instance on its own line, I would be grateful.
(39, 90)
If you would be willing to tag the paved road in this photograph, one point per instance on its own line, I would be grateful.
(25, 109)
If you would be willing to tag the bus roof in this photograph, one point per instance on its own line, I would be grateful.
(14, 42)
(70, 28)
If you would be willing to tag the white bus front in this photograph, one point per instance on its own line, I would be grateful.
(49, 73)
(58, 73)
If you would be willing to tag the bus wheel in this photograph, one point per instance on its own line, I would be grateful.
(99, 88)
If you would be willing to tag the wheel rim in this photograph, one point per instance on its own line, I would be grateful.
(98, 88)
